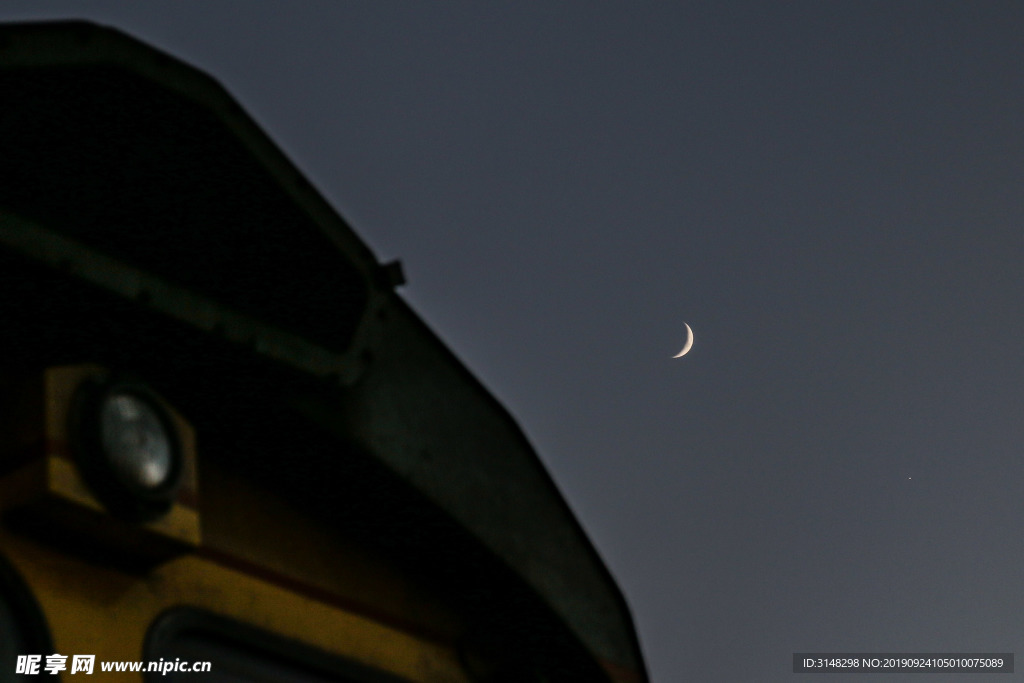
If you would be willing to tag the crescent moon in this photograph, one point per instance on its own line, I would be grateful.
(689, 343)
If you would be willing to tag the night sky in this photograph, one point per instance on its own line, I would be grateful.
(831, 194)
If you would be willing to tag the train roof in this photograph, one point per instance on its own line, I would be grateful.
(102, 134)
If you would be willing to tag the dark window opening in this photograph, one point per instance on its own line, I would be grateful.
(240, 653)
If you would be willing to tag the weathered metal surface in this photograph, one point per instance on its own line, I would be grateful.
(249, 266)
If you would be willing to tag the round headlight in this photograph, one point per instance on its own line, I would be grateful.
(127, 448)
(135, 440)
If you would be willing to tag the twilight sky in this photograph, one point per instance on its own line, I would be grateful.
(831, 194)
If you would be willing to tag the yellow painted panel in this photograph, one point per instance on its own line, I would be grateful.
(94, 610)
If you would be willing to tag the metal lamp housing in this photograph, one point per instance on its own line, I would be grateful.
(127, 448)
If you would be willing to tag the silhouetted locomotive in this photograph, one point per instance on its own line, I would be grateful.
(224, 440)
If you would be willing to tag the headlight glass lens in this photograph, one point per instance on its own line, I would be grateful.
(127, 447)
(135, 441)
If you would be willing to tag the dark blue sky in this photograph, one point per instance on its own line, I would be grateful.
(830, 194)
